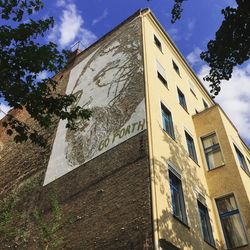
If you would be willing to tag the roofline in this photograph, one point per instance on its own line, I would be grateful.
(230, 121)
(138, 13)
(149, 12)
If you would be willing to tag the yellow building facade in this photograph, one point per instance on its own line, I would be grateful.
(159, 165)
(200, 179)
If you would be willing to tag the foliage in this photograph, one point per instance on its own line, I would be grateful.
(22, 58)
(231, 46)
(19, 227)
(47, 230)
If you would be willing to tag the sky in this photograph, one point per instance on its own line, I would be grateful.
(87, 21)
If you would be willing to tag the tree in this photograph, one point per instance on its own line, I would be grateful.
(22, 57)
(231, 46)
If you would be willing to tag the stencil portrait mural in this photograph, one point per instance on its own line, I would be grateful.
(110, 83)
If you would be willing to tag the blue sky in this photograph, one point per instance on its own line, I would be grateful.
(86, 21)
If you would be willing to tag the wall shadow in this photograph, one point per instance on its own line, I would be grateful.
(171, 230)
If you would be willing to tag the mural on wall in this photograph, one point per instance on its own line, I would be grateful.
(110, 83)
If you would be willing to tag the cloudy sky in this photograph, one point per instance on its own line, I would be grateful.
(86, 21)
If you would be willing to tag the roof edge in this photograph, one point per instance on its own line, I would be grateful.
(149, 12)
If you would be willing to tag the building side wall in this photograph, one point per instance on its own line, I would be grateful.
(226, 179)
(165, 150)
(103, 203)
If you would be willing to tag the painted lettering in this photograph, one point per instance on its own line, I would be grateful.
(141, 125)
(133, 126)
(103, 144)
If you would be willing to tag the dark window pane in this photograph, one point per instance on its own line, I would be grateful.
(167, 122)
(163, 80)
(205, 224)
(205, 104)
(182, 99)
(177, 199)
(242, 160)
(157, 42)
(191, 147)
(176, 68)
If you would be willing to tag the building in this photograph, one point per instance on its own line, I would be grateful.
(158, 166)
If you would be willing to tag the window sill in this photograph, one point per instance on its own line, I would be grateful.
(182, 222)
(214, 247)
(238, 247)
(178, 74)
(185, 109)
(158, 48)
(247, 173)
(166, 133)
(194, 161)
(222, 165)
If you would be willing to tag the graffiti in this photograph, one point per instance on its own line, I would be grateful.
(110, 83)
(125, 131)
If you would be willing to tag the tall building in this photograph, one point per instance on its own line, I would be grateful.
(159, 165)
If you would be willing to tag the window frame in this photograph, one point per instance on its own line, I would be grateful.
(176, 67)
(191, 88)
(239, 153)
(216, 148)
(228, 214)
(165, 112)
(157, 43)
(161, 73)
(211, 240)
(162, 79)
(191, 150)
(181, 95)
(182, 207)
(205, 104)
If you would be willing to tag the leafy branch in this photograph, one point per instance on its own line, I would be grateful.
(22, 59)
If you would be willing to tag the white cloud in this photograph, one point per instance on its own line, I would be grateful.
(60, 3)
(98, 19)
(70, 27)
(234, 98)
(3, 110)
(87, 37)
(71, 23)
(194, 57)
(189, 30)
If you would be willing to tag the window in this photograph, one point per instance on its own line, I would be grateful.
(242, 160)
(205, 224)
(177, 198)
(176, 68)
(205, 104)
(191, 147)
(161, 73)
(182, 99)
(157, 43)
(167, 122)
(212, 151)
(192, 88)
(231, 222)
